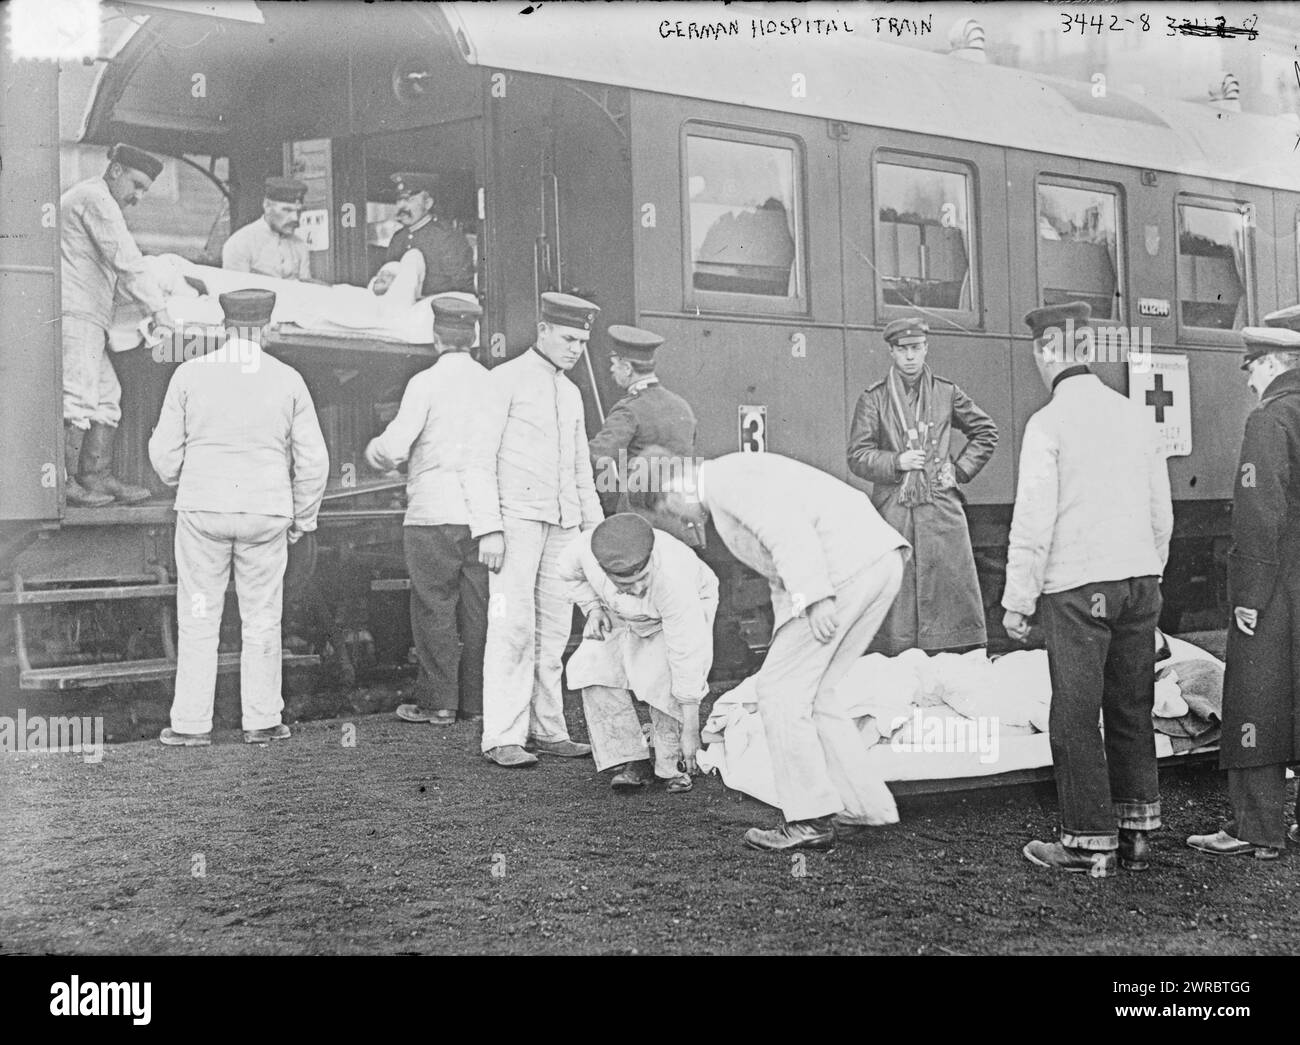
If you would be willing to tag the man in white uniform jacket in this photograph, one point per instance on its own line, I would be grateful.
(834, 567)
(238, 433)
(529, 490)
(649, 602)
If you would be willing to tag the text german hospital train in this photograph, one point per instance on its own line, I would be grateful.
(767, 205)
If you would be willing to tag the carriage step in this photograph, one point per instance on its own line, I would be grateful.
(88, 676)
(28, 597)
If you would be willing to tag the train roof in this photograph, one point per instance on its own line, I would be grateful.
(846, 77)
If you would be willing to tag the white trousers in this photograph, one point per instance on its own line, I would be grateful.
(91, 392)
(818, 758)
(207, 543)
(529, 619)
(616, 734)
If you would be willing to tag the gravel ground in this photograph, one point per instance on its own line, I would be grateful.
(364, 834)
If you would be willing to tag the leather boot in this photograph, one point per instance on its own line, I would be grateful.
(1133, 849)
(76, 494)
(96, 467)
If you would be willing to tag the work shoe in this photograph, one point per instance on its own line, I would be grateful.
(171, 738)
(474, 719)
(1099, 863)
(510, 756)
(1223, 844)
(1133, 849)
(1294, 833)
(678, 784)
(265, 736)
(76, 494)
(562, 748)
(796, 834)
(632, 775)
(413, 713)
(96, 461)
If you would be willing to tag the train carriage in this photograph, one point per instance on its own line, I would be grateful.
(768, 213)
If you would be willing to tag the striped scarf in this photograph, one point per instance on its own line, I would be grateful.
(918, 428)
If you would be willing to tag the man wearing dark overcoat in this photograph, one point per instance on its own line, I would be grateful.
(900, 443)
(1261, 712)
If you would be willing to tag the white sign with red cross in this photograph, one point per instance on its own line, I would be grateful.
(1160, 383)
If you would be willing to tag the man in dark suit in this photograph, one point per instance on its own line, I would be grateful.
(448, 260)
(647, 415)
(1261, 715)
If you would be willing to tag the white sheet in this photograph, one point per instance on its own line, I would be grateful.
(340, 309)
(738, 747)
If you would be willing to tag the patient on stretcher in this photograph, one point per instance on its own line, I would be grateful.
(388, 308)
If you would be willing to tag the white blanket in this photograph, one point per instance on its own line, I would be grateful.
(341, 309)
(906, 710)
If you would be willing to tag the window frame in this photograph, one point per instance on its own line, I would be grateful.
(1067, 181)
(1215, 335)
(725, 301)
(971, 318)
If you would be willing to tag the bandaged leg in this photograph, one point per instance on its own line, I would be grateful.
(612, 726)
(668, 743)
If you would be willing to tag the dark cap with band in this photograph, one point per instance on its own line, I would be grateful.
(622, 544)
(136, 159)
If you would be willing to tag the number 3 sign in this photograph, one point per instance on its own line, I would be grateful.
(753, 429)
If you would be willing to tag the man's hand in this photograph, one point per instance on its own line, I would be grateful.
(823, 619)
(911, 460)
(1247, 618)
(492, 550)
(1016, 625)
(598, 624)
(690, 735)
(163, 324)
(372, 456)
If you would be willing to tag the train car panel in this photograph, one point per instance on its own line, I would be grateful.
(31, 475)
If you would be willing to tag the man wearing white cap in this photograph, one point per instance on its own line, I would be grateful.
(649, 602)
(530, 490)
(1261, 711)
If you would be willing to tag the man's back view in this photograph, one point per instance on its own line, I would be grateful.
(238, 433)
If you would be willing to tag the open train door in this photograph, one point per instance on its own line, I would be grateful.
(30, 359)
(559, 213)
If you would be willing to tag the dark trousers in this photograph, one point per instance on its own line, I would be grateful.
(1101, 656)
(449, 599)
(1258, 797)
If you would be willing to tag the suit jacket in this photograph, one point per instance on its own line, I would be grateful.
(649, 415)
(805, 531)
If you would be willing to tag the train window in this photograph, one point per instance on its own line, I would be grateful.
(924, 235)
(1079, 249)
(742, 212)
(1213, 265)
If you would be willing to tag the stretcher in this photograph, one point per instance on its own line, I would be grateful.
(927, 762)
